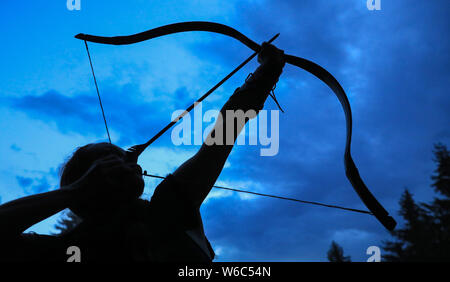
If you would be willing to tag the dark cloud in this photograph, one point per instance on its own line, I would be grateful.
(134, 120)
(394, 67)
(24, 182)
(42, 185)
(70, 114)
(15, 148)
(34, 185)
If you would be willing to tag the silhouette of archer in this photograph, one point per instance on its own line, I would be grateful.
(101, 183)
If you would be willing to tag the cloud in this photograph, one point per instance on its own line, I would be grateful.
(129, 119)
(396, 80)
(15, 148)
(38, 181)
(41, 186)
(24, 182)
(34, 185)
(68, 113)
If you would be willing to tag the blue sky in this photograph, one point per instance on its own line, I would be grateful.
(393, 64)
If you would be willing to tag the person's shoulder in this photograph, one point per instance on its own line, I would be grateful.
(138, 209)
(170, 186)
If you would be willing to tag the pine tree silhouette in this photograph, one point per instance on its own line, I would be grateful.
(67, 222)
(426, 233)
(336, 253)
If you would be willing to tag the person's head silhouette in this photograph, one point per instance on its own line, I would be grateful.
(105, 177)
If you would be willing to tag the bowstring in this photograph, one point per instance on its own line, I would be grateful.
(98, 92)
(274, 196)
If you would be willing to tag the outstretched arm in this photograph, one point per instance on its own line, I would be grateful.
(202, 170)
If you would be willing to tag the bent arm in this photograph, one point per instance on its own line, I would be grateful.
(102, 177)
(202, 170)
(18, 215)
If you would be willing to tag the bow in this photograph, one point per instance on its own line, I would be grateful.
(350, 168)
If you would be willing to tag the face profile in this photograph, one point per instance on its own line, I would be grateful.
(109, 177)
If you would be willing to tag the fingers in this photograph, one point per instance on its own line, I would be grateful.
(111, 177)
(115, 166)
(266, 45)
(271, 55)
(111, 166)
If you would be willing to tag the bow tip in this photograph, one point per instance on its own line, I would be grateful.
(389, 222)
(80, 36)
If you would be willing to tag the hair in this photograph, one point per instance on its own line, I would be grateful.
(75, 167)
(82, 159)
(80, 162)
